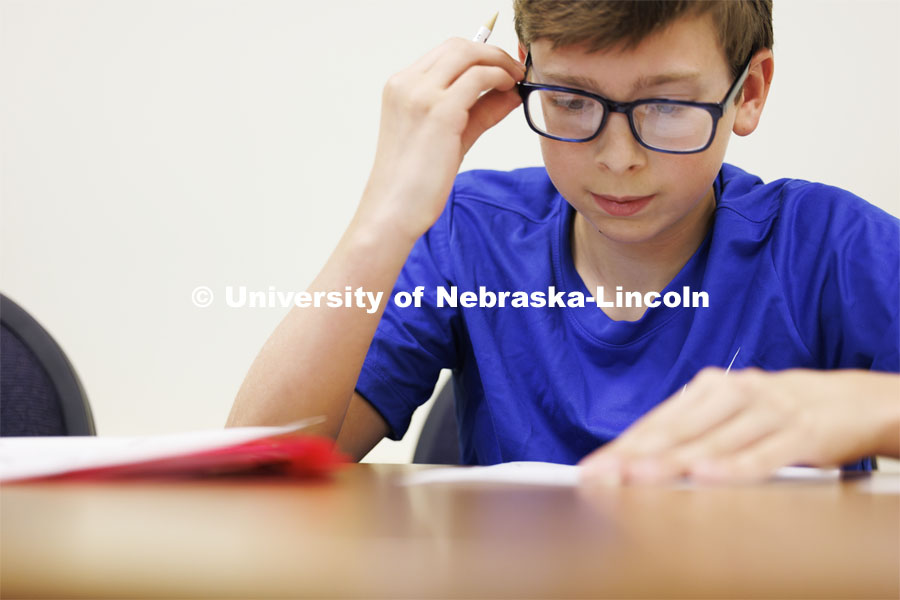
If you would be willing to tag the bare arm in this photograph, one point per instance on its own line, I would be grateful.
(432, 112)
(310, 364)
(363, 428)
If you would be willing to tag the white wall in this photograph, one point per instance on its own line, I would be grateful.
(149, 147)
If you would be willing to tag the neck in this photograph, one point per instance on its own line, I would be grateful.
(640, 266)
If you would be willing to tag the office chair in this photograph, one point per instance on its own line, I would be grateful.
(439, 441)
(40, 393)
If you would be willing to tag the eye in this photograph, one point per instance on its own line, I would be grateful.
(666, 109)
(570, 102)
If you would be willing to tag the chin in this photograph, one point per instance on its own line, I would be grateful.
(624, 232)
(626, 237)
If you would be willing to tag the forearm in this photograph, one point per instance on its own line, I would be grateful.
(870, 419)
(311, 362)
(885, 389)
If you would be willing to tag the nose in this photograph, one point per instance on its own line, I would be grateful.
(615, 149)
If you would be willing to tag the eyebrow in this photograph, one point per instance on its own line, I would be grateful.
(643, 82)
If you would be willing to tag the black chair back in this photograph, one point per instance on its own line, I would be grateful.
(439, 441)
(40, 393)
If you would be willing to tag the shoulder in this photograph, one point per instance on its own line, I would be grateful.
(803, 206)
(815, 236)
(497, 225)
(830, 259)
(523, 194)
(811, 234)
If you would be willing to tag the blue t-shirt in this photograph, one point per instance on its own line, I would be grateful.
(798, 274)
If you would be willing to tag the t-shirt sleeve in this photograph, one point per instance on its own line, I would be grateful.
(413, 343)
(840, 265)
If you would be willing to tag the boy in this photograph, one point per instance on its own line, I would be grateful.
(634, 104)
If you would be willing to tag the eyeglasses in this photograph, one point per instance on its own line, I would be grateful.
(672, 126)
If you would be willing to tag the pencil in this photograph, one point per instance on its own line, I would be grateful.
(684, 389)
(484, 32)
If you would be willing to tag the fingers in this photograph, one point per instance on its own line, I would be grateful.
(489, 110)
(755, 463)
(769, 420)
(706, 403)
(740, 435)
(702, 432)
(456, 56)
(468, 87)
(484, 109)
(456, 75)
(431, 113)
(465, 91)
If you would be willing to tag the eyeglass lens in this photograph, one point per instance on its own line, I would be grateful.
(660, 125)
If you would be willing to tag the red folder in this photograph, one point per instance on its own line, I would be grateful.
(291, 455)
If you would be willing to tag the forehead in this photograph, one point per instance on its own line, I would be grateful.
(688, 50)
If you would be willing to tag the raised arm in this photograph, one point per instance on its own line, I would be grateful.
(432, 113)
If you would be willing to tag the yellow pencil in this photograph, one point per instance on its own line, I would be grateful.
(484, 32)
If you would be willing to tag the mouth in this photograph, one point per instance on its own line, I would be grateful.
(621, 206)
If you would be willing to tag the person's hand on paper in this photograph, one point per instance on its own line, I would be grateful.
(745, 426)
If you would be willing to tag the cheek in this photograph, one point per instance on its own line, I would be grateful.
(565, 162)
(694, 173)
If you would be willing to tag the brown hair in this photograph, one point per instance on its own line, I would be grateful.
(743, 26)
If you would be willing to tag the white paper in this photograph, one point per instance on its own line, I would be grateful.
(551, 474)
(26, 457)
(880, 483)
(523, 472)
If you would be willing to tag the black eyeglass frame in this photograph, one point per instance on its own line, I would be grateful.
(716, 110)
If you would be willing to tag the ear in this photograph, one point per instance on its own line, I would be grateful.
(522, 52)
(756, 89)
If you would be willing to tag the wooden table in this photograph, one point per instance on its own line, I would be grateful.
(363, 535)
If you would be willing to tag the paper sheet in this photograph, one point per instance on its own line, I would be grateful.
(27, 457)
(534, 473)
(549, 474)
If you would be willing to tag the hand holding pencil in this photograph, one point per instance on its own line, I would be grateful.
(432, 113)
